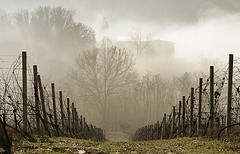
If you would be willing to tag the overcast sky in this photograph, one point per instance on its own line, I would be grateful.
(197, 27)
(154, 11)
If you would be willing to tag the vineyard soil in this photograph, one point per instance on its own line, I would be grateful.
(178, 145)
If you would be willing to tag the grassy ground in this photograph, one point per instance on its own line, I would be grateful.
(178, 145)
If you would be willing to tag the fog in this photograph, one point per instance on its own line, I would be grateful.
(196, 27)
(202, 33)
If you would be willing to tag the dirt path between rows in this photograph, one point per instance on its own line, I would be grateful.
(116, 136)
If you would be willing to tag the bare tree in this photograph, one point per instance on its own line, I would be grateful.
(101, 72)
(183, 84)
(140, 41)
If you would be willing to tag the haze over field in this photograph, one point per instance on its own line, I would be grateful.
(199, 28)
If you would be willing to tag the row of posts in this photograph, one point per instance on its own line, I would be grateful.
(177, 127)
(69, 124)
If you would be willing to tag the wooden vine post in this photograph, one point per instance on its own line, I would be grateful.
(229, 102)
(183, 117)
(73, 118)
(179, 118)
(36, 96)
(191, 113)
(62, 110)
(54, 104)
(173, 121)
(164, 133)
(211, 98)
(199, 107)
(68, 116)
(45, 123)
(24, 90)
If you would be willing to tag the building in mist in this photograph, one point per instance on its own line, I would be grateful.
(155, 47)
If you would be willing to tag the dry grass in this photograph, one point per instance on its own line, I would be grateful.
(178, 145)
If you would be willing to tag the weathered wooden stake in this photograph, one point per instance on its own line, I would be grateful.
(211, 98)
(229, 103)
(173, 121)
(200, 106)
(161, 131)
(68, 115)
(81, 122)
(157, 130)
(36, 96)
(54, 104)
(164, 126)
(62, 110)
(84, 124)
(191, 112)
(77, 121)
(24, 90)
(73, 118)
(183, 117)
(148, 132)
(42, 102)
(179, 118)
(151, 132)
